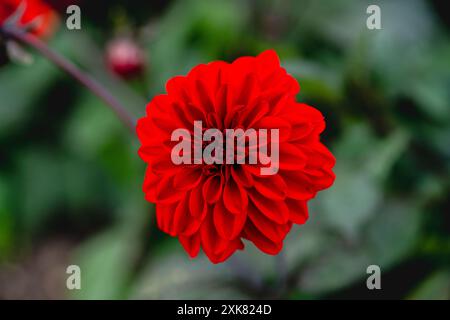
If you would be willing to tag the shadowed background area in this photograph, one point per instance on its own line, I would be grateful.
(70, 177)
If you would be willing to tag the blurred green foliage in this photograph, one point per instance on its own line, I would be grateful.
(68, 168)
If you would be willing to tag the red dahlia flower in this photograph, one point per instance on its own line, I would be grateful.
(34, 9)
(216, 206)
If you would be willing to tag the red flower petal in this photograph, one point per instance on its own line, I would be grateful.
(253, 113)
(298, 210)
(242, 176)
(235, 197)
(184, 223)
(191, 244)
(211, 241)
(197, 203)
(273, 231)
(33, 9)
(274, 210)
(166, 191)
(231, 248)
(228, 224)
(292, 158)
(188, 178)
(260, 240)
(164, 218)
(212, 188)
(299, 185)
(271, 122)
(272, 187)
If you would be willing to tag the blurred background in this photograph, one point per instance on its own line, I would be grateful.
(70, 177)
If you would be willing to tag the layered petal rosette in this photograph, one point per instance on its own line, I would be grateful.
(216, 206)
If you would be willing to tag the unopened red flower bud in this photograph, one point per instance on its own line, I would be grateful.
(125, 58)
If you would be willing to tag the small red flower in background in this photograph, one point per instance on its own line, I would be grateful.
(215, 207)
(34, 9)
(125, 58)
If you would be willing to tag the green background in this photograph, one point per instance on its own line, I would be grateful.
(70, 177)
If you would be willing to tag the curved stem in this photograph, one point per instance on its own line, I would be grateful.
(70, 68)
